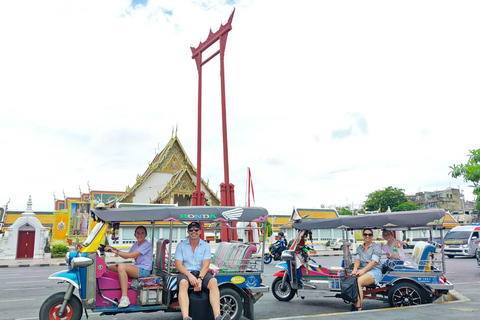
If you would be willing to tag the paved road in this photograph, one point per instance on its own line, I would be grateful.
(23, 291)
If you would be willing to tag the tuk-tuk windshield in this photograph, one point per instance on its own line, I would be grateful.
(93, 233)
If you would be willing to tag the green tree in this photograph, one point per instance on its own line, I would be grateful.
(269, 228)
(344, 211)
(406, 206)
(382, 199)
(470, 172)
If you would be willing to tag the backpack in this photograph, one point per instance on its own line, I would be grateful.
(349, 290)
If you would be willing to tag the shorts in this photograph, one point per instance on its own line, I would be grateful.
(376, 274)
(205, 281)
(142, 273)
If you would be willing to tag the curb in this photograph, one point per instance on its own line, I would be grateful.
(455, 296)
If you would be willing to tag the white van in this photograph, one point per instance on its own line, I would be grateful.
(462, 241)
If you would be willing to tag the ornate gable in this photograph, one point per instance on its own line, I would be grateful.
(171, 160)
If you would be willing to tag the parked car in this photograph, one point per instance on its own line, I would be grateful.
(437, 242)
(478, 255)
(462, 241)
(411, 242)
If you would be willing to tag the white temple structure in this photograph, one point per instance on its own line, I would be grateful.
(25, 239)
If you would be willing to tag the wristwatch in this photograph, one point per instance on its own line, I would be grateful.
(201, 278)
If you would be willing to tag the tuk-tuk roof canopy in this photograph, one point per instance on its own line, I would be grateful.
(403, 219)
(196, 213)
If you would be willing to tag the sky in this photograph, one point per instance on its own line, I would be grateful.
(327, 101)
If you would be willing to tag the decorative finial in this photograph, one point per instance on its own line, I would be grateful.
(88, 185)
(54, 197)
(29, 204)
(64, 196)
(176, 130)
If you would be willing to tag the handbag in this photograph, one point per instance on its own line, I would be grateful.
(349, 289)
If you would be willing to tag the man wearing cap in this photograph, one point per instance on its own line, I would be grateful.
(192, 260)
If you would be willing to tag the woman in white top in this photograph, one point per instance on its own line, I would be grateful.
(393, 250)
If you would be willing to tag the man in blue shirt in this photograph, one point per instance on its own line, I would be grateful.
(192, 260)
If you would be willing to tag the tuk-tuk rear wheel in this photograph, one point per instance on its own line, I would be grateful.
(231, 303)
(406, 294)
(51, 307)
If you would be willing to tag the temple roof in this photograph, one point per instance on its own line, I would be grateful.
(170, 171)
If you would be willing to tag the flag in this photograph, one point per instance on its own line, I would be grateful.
(251, 193)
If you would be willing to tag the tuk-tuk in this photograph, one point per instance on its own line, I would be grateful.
(419, 279)
(238, 275)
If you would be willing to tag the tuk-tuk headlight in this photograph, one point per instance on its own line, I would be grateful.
(80, 262)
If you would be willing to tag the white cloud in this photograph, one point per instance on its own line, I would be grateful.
(326, 101)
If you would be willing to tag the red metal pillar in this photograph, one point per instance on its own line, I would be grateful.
(227, 189)
(198, 196)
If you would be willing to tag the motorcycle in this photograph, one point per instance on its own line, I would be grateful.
(275, 251)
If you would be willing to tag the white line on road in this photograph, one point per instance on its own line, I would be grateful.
(26, 318)
(17, 300)
(21, 289)
(11, 275)
(23, 282)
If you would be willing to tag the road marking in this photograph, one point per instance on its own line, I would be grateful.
(18, 289)
(23, 282)
(11, 275)
(17, 300)
(35, 318)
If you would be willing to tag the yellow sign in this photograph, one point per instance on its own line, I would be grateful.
(454, 242)
(60, 226)
(237, 279)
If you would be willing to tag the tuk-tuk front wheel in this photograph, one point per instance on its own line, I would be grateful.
(51, 307)
(406, 294)
(283, 292)
(231, 303)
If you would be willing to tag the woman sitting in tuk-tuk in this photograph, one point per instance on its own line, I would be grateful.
(367, 265)
(142, 252)
(393, 251)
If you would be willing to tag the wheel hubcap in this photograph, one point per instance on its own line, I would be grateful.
(229, 305)
(56, 309)
(407, 297)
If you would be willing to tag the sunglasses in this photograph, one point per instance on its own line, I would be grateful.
(192, 230)
(368, 234)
